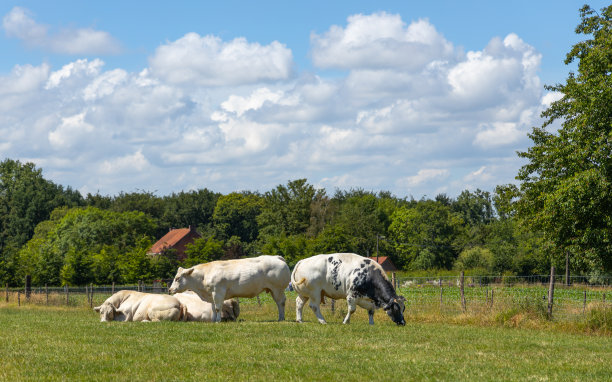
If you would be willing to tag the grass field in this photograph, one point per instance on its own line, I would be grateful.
(69, 343)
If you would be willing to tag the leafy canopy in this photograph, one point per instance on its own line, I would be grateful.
(566, 187)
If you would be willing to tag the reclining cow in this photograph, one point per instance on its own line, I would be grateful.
(200, 310)
(127, 305)
(220, 280)
(357, 279)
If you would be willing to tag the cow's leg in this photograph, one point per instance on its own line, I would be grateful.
(371, 316)
(280, 299)
(218, 298)
(129, 316)
(315, 305)
(350, 302)
(299, 305)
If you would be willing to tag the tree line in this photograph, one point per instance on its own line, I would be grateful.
(59, 237)
(561, 209)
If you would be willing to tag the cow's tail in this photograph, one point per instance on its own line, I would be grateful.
(295, 282)
(183, 313)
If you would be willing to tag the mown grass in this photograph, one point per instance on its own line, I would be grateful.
(69, 343)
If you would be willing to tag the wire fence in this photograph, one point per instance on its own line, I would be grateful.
(482, 294)
(563, 299)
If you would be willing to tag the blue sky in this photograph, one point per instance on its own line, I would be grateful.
(417, 98)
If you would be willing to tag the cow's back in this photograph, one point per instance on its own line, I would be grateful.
(330, 273)
(246, 277)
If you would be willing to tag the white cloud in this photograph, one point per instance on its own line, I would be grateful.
(231, 115)
(71, 131)
(423, 176)
(80, 68)
(551, 97)
(104, 84)
(128, 164)
(501, 133)
(237, 104)
(209, 61)
(380, 41)
(504, 69)
(23, 79)
(18, 23)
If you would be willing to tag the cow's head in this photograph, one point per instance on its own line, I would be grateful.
(395, 309)
(181, 280)
(107, 311)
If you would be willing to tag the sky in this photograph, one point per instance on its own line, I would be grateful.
(412, 97)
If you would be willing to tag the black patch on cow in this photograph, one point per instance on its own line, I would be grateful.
(370, 282)
(334, 272)
(368, 261)
(363, 265)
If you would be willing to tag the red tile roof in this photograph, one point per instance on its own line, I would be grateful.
(381, 259)
(389, 266)
(169, 239)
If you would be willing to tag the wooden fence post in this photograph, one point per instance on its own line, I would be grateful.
(18, 298)
(393, 280)
(87, 293)
(28, 286)
(567, 272)
(584, 303)
(492, 290)
(6, 292)
(551, 292)
(461, 282)
(441, 295)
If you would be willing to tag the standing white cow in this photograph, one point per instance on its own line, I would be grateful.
(220, 280)
(128, 305)
(200, 310)
(357, 279)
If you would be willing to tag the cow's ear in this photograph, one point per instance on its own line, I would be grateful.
(188, 271)
(97, 308)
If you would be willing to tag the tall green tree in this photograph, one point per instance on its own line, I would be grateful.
(193, 208)
(286, 209)
(84, 245)
(566, 186)
(361, 217)
(424, 235)
(236, 215)
(26, 199)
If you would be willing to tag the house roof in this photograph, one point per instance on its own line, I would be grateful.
(389, 266)
(170, 239)
(381, 259)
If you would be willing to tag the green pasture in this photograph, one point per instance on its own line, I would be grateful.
(69, 343)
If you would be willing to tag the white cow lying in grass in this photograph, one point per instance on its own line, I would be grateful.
(200, 310)
(220, 280)
(127, 305)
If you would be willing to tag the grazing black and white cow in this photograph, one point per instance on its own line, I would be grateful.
(357, 279)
